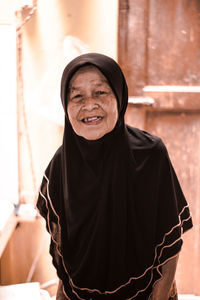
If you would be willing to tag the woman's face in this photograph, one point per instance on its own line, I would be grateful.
(92, 105)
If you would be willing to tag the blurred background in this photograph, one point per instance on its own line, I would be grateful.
(157, 44)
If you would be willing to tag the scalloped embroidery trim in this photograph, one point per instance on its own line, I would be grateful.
(132, 278)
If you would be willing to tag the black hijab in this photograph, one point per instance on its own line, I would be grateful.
(113, 206)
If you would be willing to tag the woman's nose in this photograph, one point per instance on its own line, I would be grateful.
(90, 104)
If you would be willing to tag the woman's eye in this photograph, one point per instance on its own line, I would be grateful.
(77, 98)
(100, 92)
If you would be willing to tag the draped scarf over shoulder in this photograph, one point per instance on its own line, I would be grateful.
(113, 206)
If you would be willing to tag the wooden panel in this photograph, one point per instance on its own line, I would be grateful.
(30, 241)
(132, 46)
(173, 42)
(159, 44)
(6, 231)
(181, 134)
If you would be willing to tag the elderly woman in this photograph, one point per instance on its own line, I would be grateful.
(110, 196)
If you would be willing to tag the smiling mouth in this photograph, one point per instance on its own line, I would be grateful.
(92, 120)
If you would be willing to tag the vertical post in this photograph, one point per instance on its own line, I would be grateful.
(133, 43)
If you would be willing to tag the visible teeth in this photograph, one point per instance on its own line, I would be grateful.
(91, 119)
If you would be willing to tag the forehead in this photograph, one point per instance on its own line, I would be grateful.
(86, 74)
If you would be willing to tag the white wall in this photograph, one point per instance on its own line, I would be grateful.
(87, 26)
(8, 123)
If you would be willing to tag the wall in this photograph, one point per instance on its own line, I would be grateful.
(43, 51)
(27, 249)
(7, 9)
(58, 31)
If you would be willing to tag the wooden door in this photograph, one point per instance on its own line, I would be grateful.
(159, 52)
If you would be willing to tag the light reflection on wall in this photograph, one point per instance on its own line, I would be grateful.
(57, 32)
(8, 123)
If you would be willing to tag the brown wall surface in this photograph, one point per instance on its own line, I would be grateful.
(159, 44)
(173, 42)
(181, 134)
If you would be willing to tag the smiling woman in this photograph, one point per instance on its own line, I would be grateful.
(92, 105)
(110, 196)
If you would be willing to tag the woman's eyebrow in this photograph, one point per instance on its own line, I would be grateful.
(77, 88)
(101, 83)
(74, 88)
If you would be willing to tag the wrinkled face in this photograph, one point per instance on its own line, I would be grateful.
(92, 105)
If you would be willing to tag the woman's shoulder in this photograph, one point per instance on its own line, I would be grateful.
(141, 139)
(145, 145)
(147, 149)
(55, 162)
(57, 154)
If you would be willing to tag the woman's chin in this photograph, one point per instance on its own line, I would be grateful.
(92, 135)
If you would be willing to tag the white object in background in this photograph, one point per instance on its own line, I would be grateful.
(141, 100)
(23, 291)
(74, 47)
(172, 88)
(45, 295)
(27, 211)
(188, 297)
(28, 3)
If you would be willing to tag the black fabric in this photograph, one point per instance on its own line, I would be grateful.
(114, 206)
